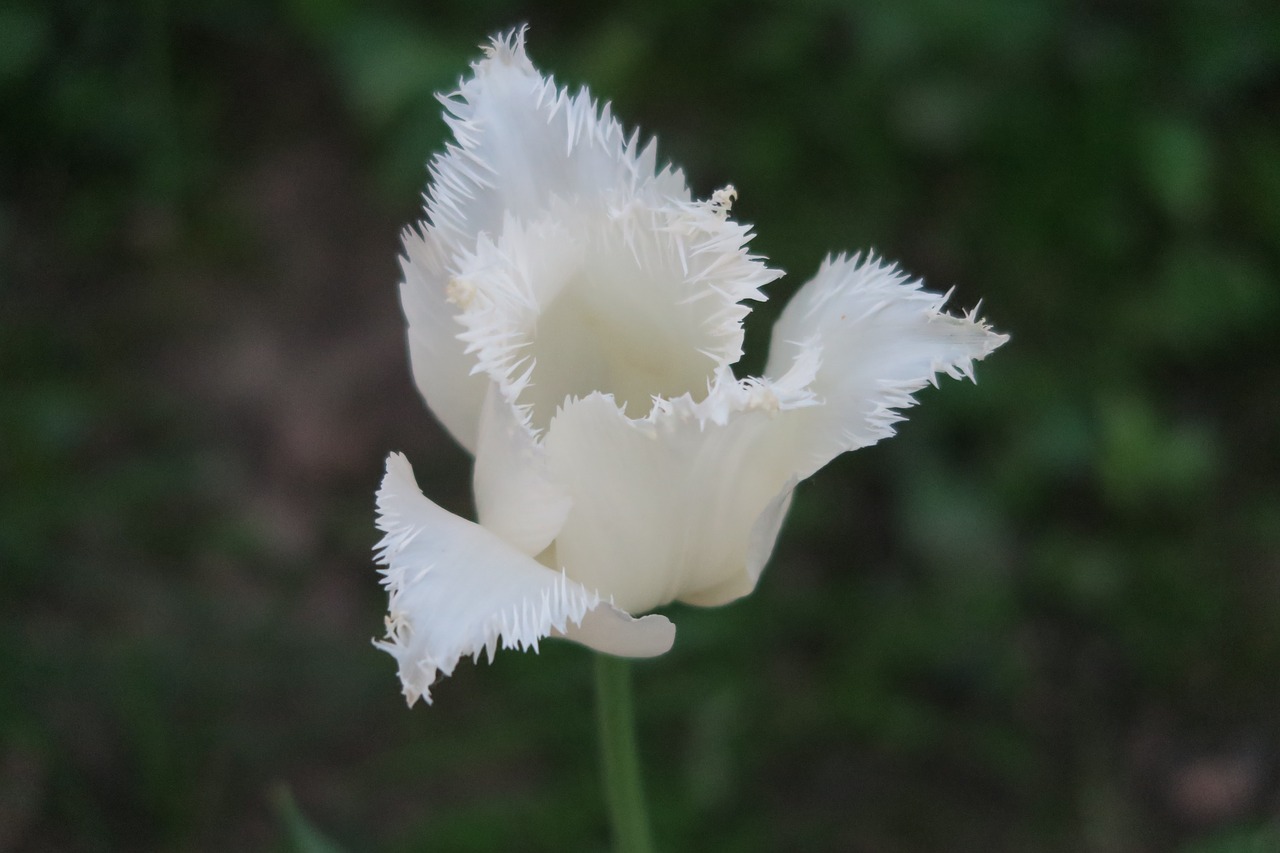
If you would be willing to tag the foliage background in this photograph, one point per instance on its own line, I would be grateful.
(1046, 616)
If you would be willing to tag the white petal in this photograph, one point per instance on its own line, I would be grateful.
(687, 503)
(671, 507)
(519, 140)
(516, 497)
(615, 632)
(643, 302)
(456, 589)
(762, 538)
(879, 338)
(442, 369)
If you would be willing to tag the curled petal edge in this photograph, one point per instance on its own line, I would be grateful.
(457, 589)
(613, 631)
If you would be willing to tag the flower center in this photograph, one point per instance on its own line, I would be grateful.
(639, 298)
(611, 330)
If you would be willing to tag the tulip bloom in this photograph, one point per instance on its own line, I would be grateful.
(574, 316)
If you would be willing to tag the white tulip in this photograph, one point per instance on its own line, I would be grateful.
(573, 319)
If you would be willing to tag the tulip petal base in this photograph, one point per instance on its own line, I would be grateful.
(574, 316)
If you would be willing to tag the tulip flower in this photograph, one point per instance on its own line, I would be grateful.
(574, 316)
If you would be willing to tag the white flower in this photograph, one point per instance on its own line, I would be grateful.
(573, 319)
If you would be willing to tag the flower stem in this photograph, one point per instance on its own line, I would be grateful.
(619, 761)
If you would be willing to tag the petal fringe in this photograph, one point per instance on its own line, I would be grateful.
(532, 165)
(456, 589)
(645, 302)
(878, 337)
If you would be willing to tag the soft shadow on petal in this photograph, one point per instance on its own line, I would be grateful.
(668, 507)
(456, 589)
(516, 497)
(764, 535)
(878, 338)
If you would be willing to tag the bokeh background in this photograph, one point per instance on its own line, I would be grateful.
(1045, 616)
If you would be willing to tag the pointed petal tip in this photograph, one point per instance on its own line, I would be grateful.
(882, 338)
(508, 44)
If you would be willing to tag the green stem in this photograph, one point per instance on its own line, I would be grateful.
(619, 760)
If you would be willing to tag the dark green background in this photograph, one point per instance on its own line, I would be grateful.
(1046, 616)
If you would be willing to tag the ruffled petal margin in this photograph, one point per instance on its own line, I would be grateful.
(520, 142)
(442, 367)
(878, 338)
(457, 589)
(716, 475)
(645, 300)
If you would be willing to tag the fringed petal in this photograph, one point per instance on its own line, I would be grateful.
(877, 338)
(643, 303)
(519, 142)
(715, 474)
(574, 316)
(442, 368)
(456, 589)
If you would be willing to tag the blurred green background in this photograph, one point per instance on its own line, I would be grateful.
(1046, 616)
